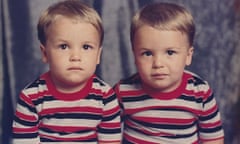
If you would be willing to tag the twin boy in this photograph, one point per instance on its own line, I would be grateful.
(161, 103)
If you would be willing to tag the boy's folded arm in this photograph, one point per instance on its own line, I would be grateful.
(218, 141)
(109, 143)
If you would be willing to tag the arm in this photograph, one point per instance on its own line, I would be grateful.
(25, 122)
(109, 131)
(109, 143)
(211, 121)
(219, 141)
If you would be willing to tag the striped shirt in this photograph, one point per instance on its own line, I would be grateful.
(186, 115)
(44, 115)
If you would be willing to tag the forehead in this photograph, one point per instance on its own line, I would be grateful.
(63, 23)
(147, 36)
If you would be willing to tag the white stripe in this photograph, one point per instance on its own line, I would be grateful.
(104, 88)
(111, 105)
(69, 104)
(165, 114)
(128, 87)
(33, 90)
(25, 111)
(71, 122)
(157, 139)
(26, 141)
(210, 104)
(109, 137)
(70, 135)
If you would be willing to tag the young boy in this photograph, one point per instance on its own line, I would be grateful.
(163, 103)
(69, 103)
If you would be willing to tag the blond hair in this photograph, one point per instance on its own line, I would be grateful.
(164, 16)
(72, 9)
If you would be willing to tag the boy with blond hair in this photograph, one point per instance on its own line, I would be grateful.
(68, 104)
(164, 103)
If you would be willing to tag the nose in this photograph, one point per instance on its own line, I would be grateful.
(158, 62)
(75, 55)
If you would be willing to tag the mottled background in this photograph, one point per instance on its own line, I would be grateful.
(216, 57)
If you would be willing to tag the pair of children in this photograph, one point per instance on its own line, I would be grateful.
(161, 103)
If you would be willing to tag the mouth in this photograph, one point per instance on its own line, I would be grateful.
(75, 69)
(159, 76)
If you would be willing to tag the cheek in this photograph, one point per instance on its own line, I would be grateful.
(142, 68)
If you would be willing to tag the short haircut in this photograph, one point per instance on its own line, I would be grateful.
(164, 16)
(71, 9)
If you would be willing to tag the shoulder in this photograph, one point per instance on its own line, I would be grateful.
(195, 80)
(36, 86)
(131, 83)
(100, 84)
(131, 80)
(197, 85)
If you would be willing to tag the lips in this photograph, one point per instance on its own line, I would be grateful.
(159, 76)
(75, 68)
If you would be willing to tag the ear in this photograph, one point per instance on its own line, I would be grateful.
(99, 55)
(189, 56)
(44, 53)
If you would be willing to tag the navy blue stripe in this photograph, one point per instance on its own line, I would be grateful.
(109, 118)
(110, 99)
(211, 130)
(136, 98)
(209, 117)
(191, 98)
(25, 135)
(43, 99)
(72, 116)
(63, 132)
(53, 140)
(109, 131)
(36, 83)
(26, 123)
(210, 98)
(24, 104)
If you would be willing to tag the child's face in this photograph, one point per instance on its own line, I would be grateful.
(161, 57)
(72, 51)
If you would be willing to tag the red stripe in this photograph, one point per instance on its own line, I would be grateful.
(25, 130)
(111, 111)
(210, 111)
(25, 117)
(210, 125)
(138, 141)
(136, 110)
(111, 125)
(109, 94)
(26, 99)
(67, 128)
(71, 110)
